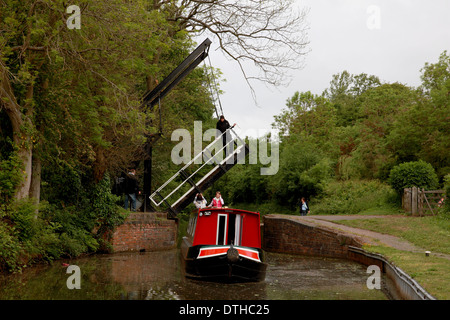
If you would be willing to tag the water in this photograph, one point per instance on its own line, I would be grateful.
(159, 276)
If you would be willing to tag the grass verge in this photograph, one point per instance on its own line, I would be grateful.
(432, 273)
(430, 233)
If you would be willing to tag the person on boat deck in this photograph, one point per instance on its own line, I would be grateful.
(223, 125)
(199, 201)
(217, 201)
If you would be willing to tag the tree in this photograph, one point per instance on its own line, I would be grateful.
(272, 34)
(71, 116)
(69, 94)
(422, 132)
(303, 172)
(305, 112)
(378, 108)
(344, 89)
(436, 86)
(345, 83)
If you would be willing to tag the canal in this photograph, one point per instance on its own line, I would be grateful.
(159, 276)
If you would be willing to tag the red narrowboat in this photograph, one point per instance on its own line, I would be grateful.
(224, 244)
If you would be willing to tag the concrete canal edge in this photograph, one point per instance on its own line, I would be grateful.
(406, 287)
(294, 236)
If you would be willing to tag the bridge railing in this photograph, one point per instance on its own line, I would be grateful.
(198, 168)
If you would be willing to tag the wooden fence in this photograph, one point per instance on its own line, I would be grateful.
(422, 202)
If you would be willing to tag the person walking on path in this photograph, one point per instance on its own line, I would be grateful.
(304, 208)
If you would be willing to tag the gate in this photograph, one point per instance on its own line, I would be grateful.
(417, 201)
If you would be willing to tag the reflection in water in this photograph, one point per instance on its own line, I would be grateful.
(159, 276)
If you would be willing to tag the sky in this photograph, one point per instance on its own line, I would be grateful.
(391, 39)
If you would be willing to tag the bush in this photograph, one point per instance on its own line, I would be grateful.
(28, 234)
(104, 209)
(413, 174)
(10, 248)
(353, 196)
(22, 215)
(25, 237)
(85, 226)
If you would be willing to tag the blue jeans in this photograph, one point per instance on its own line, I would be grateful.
(303, 212)
(132, 197)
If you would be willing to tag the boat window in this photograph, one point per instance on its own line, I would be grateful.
(231, 229)
(235, 229)
(238, 230)
(221, 229)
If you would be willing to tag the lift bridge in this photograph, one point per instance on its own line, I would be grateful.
(206, 167)
(200, 173)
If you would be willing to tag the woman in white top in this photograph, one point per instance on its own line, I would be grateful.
(199, 201)
(304, 209)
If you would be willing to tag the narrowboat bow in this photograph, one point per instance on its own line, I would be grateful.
(224, 244)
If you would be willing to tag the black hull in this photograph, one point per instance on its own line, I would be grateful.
(222, 268)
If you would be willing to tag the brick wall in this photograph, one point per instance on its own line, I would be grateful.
(301, 237)
(145, 231)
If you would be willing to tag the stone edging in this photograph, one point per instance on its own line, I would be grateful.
(407, 287)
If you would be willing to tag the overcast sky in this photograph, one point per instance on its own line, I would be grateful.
(409, 33)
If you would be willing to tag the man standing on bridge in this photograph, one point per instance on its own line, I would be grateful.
(223, 125)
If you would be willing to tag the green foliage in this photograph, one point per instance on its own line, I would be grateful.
(31, 232)
(83, 121)
(344, 89)
(422, 132)
(86, 225)
(413, 174)
(358, 130)
(25, 237)
(365, 130)
(302, 173)
(80, 103)
(105, 211)
(244, 184)
(10, 176)
(353, 196)
(10, 247)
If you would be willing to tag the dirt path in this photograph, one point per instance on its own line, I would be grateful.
(366, 236)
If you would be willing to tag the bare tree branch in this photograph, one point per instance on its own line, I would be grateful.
(272, 34)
